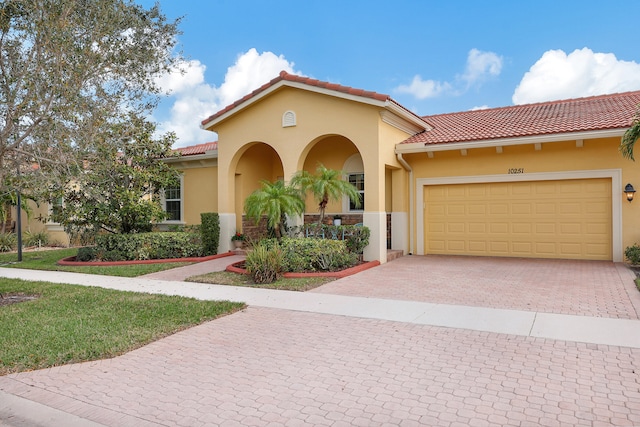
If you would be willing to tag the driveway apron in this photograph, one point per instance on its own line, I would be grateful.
(273, 366)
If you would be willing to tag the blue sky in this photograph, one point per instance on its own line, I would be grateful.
(431, 56)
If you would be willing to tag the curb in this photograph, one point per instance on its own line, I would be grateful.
(71, 261)
(337, 274)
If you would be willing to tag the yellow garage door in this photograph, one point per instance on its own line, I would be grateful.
(540, 219)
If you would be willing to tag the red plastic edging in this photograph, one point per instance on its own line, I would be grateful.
(337, 274)
(71, 261)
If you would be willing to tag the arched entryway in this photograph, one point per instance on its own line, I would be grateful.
(338, 153)
(258, 162)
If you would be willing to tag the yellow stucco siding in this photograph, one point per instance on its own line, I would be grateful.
(257, 163)
(585, 158)
(332, 152)
(318, 118)
(200, 187)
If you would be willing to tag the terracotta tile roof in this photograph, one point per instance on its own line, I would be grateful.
(602, 112)
(284, 76)
(197, 149)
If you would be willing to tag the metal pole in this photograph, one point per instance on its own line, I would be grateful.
(19, 227)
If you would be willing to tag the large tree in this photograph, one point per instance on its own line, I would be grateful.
(325, 185)
(631, 136)
(71, 70)
(119, 189)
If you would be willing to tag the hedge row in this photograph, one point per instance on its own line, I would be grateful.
(142, 246)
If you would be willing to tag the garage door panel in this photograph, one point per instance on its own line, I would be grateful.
(545, 208)
(572, 228)
(522, 248)
(549, 219)
(477, 246)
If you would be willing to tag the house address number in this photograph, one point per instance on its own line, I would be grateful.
(516, 170)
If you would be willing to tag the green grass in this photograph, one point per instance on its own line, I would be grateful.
(70, 324)
(47, 259)
(234, 279)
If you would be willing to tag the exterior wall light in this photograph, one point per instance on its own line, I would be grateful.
(629, 191)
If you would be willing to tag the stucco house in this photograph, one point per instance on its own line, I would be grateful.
(542, 180)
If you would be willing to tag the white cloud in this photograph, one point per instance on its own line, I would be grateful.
(557, 75)
(251, 70)
(480, 66)
(423, 89)
(194, 99)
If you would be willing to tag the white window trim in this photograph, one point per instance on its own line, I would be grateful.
(354, 164)
(164, 206)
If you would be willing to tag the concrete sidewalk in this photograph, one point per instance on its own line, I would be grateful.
(595, 330)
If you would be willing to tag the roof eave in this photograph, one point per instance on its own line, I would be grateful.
(207, 155)
(388, 104)
(420, 147)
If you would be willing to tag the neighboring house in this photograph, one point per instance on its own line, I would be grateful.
(542, 180)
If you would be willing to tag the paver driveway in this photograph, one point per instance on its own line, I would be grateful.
(267, 366)
(584, 288)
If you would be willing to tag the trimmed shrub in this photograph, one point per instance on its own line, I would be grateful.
(8, 242)
(87, 253)
(310, 254)
(356, 237)
(140, 246)
(264, 263)
(210, 232)
(633, 254)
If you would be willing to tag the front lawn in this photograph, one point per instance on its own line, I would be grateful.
(47, 259)
(70, 324)
(234, 279)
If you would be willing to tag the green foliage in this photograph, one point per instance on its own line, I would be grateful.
(237, 237)
(325, 185)
(631, 136)
(119, 190)
(275, 200)
(264, 263)
(71, 70)
(141, 246)
(309, 254)
(356, 237)
(35, 239)
(8, 242)
(210, 232)
(632, 253)
(87, 253)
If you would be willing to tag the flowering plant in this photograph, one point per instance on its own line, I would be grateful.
(237, 236)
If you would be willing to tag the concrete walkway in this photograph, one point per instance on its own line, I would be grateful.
(324, 359)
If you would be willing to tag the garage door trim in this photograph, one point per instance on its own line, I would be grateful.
(616, 202)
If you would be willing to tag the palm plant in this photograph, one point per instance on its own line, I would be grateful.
(326, 185)
(631, 136)
(275, 200)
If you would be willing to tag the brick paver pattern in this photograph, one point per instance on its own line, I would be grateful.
(274, 367)
(583, 288)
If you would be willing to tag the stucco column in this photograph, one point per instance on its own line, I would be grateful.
(377, 248)
(226, 204)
